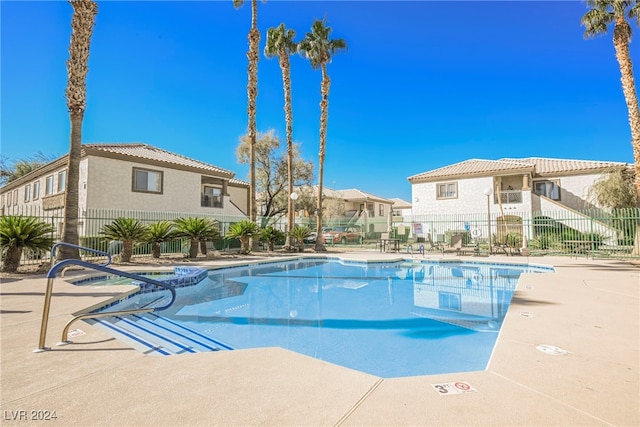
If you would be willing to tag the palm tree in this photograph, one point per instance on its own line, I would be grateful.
(198, 230)
(158, 232)
(19, 233)
(271, 235)
(318, 49)
(252, 92)
(299, 233)
(129, 231)
(84, 13)
(602, 13)
(280, 43)
(244, 231)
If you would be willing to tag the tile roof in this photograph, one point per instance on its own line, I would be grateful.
(473, 167)
(400, 204)
(536, 165)
(149, 152)
(555, 166)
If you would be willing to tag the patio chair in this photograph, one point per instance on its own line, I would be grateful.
(455, 244)
(432, 245)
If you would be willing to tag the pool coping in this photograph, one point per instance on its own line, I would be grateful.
(588, 307)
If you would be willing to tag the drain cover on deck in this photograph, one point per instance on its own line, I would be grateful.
(552, 350)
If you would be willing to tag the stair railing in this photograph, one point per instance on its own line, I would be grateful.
(51, 274)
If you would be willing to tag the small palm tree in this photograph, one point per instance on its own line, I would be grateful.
(243, 231)
(129, 231)
(271, 236)
(19, 233)
(280, 43)
(158, 232)
(318, 49)
(199, 231)
(300, 233)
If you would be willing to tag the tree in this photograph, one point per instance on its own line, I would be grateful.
(280, 43)
(244, 231)
(158, 232)
(271, 235)
(272, 171)
(252, 93)
(301, 232)
(198, 230)
(319, 50)
(127, 230)
(10, 171)
(20, 233)
(596, 21)
(84, 13)
(615, 189)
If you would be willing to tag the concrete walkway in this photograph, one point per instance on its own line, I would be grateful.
(588, 307)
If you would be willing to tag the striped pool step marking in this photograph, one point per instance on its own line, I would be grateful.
(161, 324)
(127, 334)
(151, 335)
(192, 331)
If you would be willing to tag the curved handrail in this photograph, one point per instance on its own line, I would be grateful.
(95, 251)
(51, 274)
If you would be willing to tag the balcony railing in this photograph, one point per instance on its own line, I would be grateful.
(511, 196)
(208, 201)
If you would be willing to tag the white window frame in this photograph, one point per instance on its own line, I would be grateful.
(381, 210)
(137, 187)
(27, 193)
(447, 190)
(48, 185)
(9, 200)
(62, 181)
(15, 197)
(551, 188)
(36, 190)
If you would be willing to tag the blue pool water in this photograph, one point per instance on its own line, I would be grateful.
(387, 319)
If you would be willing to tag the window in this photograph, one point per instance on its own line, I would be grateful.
(212, 197)
(36, 190)
(62, 180)
(49, 186)
(447, 190)
(15, 197)
(550, 189)
(449, 301)
(27, 192)
(381, 210)
(147, 181)
(370, 211)
(9, 198)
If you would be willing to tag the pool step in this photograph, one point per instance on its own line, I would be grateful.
(157, 335)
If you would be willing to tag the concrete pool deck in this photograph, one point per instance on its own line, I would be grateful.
(588, 307)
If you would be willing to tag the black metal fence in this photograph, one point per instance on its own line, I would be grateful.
(594, 233)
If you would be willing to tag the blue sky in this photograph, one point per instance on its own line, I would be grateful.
(422, 85)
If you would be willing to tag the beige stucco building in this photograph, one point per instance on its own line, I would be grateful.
(131, 177)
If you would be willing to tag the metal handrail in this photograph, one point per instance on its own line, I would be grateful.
(52, 274)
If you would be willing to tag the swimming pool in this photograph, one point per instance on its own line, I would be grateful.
(390, 319)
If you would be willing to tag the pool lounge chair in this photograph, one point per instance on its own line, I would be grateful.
(455, 245)
(434, 246)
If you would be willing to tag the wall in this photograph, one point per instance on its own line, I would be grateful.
(110, 187)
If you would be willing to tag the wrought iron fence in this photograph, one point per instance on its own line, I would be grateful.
(594, 233)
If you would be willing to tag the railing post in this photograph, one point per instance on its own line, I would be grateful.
(45, 317)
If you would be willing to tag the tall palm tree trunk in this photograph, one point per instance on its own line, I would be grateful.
(288, 115)
(252, 90)
(621, 43)
(82, 21)
(324, 115)
(621, 37)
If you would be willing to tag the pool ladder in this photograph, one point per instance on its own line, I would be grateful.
(51, 274)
